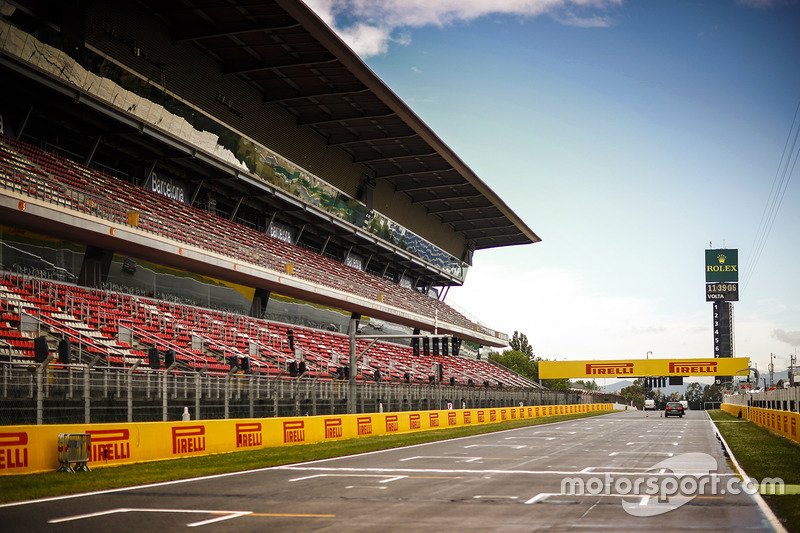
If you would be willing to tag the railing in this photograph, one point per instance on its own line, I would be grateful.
(83, 394)
(778, 399)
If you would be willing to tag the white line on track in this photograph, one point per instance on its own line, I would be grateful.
(515, 446)
(390, 478)
(668, 454)
(653, 442)
(458, 459)
(226, 514)
(217, 519)
(539, 497)
(532, 437)
(408, 471)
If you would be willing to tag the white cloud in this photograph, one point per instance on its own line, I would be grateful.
(368, 26)
(790, 337)
(595, 21)
(366, 40)
(564, 317)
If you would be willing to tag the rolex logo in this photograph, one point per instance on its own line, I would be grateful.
(721, 259)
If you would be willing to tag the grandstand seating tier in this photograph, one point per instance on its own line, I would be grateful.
(34, 172)
(92, 319)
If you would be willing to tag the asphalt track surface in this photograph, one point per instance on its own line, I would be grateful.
(506, 481)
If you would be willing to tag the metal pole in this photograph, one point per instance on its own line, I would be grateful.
(130, 389)
(165, 392)
(351, 382)
(86, 391)
(40, 389)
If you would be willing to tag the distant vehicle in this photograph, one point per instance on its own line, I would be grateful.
(649, 405)
(685, 405)
(673, 409)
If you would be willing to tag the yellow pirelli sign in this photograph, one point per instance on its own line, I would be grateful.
(633, 368)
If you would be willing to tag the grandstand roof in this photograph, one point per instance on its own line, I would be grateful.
(283, 50)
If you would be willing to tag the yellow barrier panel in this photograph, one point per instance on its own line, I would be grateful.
(781, 422)
(27, 449)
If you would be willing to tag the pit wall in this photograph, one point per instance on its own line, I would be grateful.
(28, 449)
(781, 422)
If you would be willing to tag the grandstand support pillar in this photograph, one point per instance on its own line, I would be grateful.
(130, 388)
(87, 396)
(314, 393)
(91, 153)
(227, 408)
(165, 393)
(95, 266)
(198, 391)
(252, 398)
(351, 383)
(259, 306)
(40, 389)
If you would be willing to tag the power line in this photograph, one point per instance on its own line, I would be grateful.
(780, 183)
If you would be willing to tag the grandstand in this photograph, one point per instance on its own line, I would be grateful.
(207, 202)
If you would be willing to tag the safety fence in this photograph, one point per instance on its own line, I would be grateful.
(27, 449)
(777, 399)
(80, 394)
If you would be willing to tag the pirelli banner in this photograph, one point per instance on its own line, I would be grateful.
(26, 449)
(634, 368)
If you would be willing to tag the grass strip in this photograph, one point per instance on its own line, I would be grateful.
(764, 454)
(33, 486)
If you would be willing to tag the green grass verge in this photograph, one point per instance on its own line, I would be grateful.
(34, 486)
(762, 454)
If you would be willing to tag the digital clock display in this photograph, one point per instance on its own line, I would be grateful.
(722, 292)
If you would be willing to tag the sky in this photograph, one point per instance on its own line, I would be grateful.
(630, 136)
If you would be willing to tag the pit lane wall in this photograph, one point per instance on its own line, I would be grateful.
(28, 449)
(781, 422)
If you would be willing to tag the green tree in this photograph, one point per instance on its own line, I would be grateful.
(674, 397)
(694, 395)
(519, 362)
(711, 393)
(661, 400)
(642, 386)
(557, 384)
(519, 343)
(634, 394)
(588, 384)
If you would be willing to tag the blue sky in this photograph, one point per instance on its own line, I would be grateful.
(627, 135)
